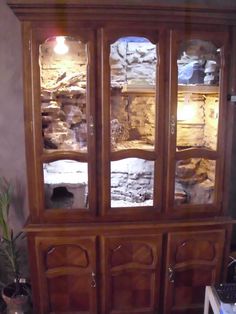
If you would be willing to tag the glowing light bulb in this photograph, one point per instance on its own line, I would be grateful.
(61, 48)
(187, 111)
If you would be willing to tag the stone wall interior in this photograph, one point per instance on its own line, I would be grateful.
(63, 95)
(133, 115)
(197, 120)
(66, 184)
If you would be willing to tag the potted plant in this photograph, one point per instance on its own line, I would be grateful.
(15, 290)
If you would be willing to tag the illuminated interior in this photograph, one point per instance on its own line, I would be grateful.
(197, 120)
(63, 69)
(133, 62)
(133, 114)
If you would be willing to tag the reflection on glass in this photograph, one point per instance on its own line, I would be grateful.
(66, 184)
(198, 63)
(132, 182)
(133, 77)
(194, 181)
(198, 95)
(63, 73)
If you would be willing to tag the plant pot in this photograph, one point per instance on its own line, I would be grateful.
(16, 298)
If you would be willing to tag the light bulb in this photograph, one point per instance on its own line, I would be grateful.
(187, 111)
(61, 48)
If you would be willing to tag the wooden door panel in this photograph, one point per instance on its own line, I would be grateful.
(67, 272)
(69, 293)
(195, 249)
(67, 255)
(193, 261)
(193, 277)
(199, 245)
(189, 286)
(131, 294)
(131, 274)
(139, 253)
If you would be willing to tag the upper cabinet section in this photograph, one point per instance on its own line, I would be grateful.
(124, 123)
(63, 64)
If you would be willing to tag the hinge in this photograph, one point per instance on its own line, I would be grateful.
(232, 98)
(172, 124)
(91, 125)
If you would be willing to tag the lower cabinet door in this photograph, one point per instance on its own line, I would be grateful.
(131, 274)
(67, 274)
(194, 260)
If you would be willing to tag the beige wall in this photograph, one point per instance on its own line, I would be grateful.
(12, 144)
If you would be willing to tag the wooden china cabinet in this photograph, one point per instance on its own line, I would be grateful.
(128, 122)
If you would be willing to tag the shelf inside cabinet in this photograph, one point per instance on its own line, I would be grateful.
(201, 89)
(138, 89)
(150, 89)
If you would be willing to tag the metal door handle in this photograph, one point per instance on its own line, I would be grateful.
(171, 274)
(93, 282)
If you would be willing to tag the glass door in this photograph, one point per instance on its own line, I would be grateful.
(64, 123)
(196, 127)
(132, 111)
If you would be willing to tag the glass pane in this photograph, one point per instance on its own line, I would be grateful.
(198, 95)
(66, 184)
(63, 73)
(132, 182)
(133, 63)
(195, 181)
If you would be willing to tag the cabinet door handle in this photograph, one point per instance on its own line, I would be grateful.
(171, 274)
(93, 282)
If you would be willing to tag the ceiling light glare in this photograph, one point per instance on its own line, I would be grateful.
(61, 48)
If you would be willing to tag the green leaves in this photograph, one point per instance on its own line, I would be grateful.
(6, 191)
(9, 253)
